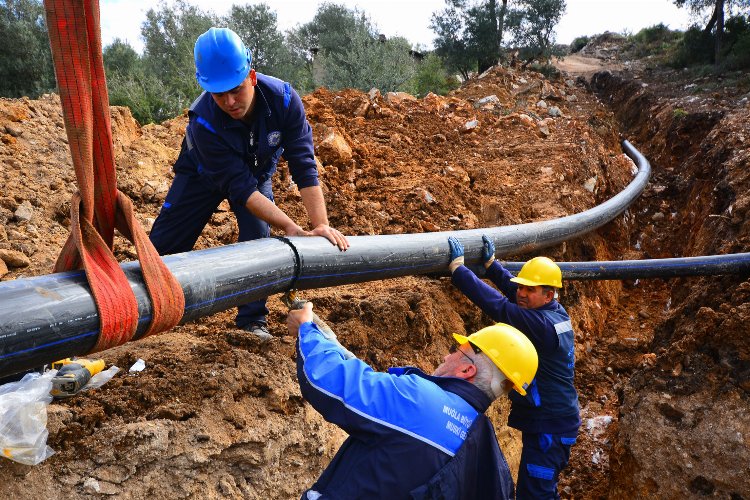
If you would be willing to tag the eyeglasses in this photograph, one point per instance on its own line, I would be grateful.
(454, 347)
(230, 91)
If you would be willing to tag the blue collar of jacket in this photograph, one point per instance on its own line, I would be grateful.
(468, 391)
(552, 305)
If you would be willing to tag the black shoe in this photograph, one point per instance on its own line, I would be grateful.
(259, 329)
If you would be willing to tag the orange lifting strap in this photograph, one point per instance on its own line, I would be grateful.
(99, 207)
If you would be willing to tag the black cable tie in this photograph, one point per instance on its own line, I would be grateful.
(297, 262)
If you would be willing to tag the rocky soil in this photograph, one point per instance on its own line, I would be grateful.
(662, 366)
(683, 415)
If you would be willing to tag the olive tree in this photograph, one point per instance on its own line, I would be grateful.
(26, 60)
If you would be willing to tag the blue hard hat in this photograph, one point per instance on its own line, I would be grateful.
(222, 61)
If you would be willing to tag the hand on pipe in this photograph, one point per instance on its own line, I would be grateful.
(457, 254)
(294, 230)
(332, 235)
(488, 251)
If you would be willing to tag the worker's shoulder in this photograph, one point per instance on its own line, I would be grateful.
(274, 85)
(558, 308)
(278, 93)
(205, 107)
(553, 314)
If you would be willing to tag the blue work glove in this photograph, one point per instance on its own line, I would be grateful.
(457, 254)
(488, 251)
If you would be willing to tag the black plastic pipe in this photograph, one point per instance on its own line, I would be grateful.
(380, 257)
(47, 318)
(711, 265)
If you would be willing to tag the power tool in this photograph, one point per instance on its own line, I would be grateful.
(72, 375)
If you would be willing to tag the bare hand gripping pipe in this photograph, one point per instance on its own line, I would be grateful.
(46, 318)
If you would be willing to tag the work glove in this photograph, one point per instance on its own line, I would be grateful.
(488, 251)
(457, 254)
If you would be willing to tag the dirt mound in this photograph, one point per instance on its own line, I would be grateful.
(215, 414)
(605, 46)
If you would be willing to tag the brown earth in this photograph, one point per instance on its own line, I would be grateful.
(662, 365)
(582, 65)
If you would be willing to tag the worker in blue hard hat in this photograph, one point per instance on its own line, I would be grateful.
(547, 415)
(237, 131)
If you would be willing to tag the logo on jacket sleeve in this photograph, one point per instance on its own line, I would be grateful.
(274, 138)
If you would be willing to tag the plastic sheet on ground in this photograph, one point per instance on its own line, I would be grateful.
(101, 378)
(23, 418)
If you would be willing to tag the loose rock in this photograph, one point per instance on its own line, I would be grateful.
(14, 258)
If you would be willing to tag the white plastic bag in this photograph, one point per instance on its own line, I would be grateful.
(23, 418)
(101, 378)
(138, 366)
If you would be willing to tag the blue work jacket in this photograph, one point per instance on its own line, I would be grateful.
(411, 435)
(551, 403)
(234, 157)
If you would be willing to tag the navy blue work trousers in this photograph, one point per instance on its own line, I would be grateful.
(189, 204)
(542, 458)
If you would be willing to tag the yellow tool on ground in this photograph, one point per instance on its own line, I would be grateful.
(72, 375)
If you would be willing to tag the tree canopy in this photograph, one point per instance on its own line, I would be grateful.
(169, 35)
(26, 60)
(533, 23)
(345, 50)
(471, 35)
(338, 48)
(715, 23)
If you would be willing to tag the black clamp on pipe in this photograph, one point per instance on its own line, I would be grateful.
(297, 262)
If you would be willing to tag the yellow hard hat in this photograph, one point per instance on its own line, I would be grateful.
(510, 350)
(540, 271)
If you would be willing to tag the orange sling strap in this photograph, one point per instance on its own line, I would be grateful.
(99, 207)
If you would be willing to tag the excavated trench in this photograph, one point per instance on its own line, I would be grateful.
(682, 429)
(662, 365)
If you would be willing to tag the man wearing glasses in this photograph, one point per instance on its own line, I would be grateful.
(239, 128)
(413, 435)
(548, 415)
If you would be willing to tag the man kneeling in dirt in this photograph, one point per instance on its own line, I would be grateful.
(413, 435)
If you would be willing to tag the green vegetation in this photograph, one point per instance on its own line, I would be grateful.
(162, 81)
(726, 40)
(655, 41)
(738, 42)
(350, 52)
(272, 55)
(26, 60)
(532, 24)
(694, 48)
(698, 48)
(471, 36)
(339, 48)
(679, 113)
(432, 76)
(369, 63)
(578, 43)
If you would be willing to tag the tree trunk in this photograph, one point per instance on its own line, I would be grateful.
(492, 8)
(501, 24)
(487, 61)
(719, 9)
(711, 23)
